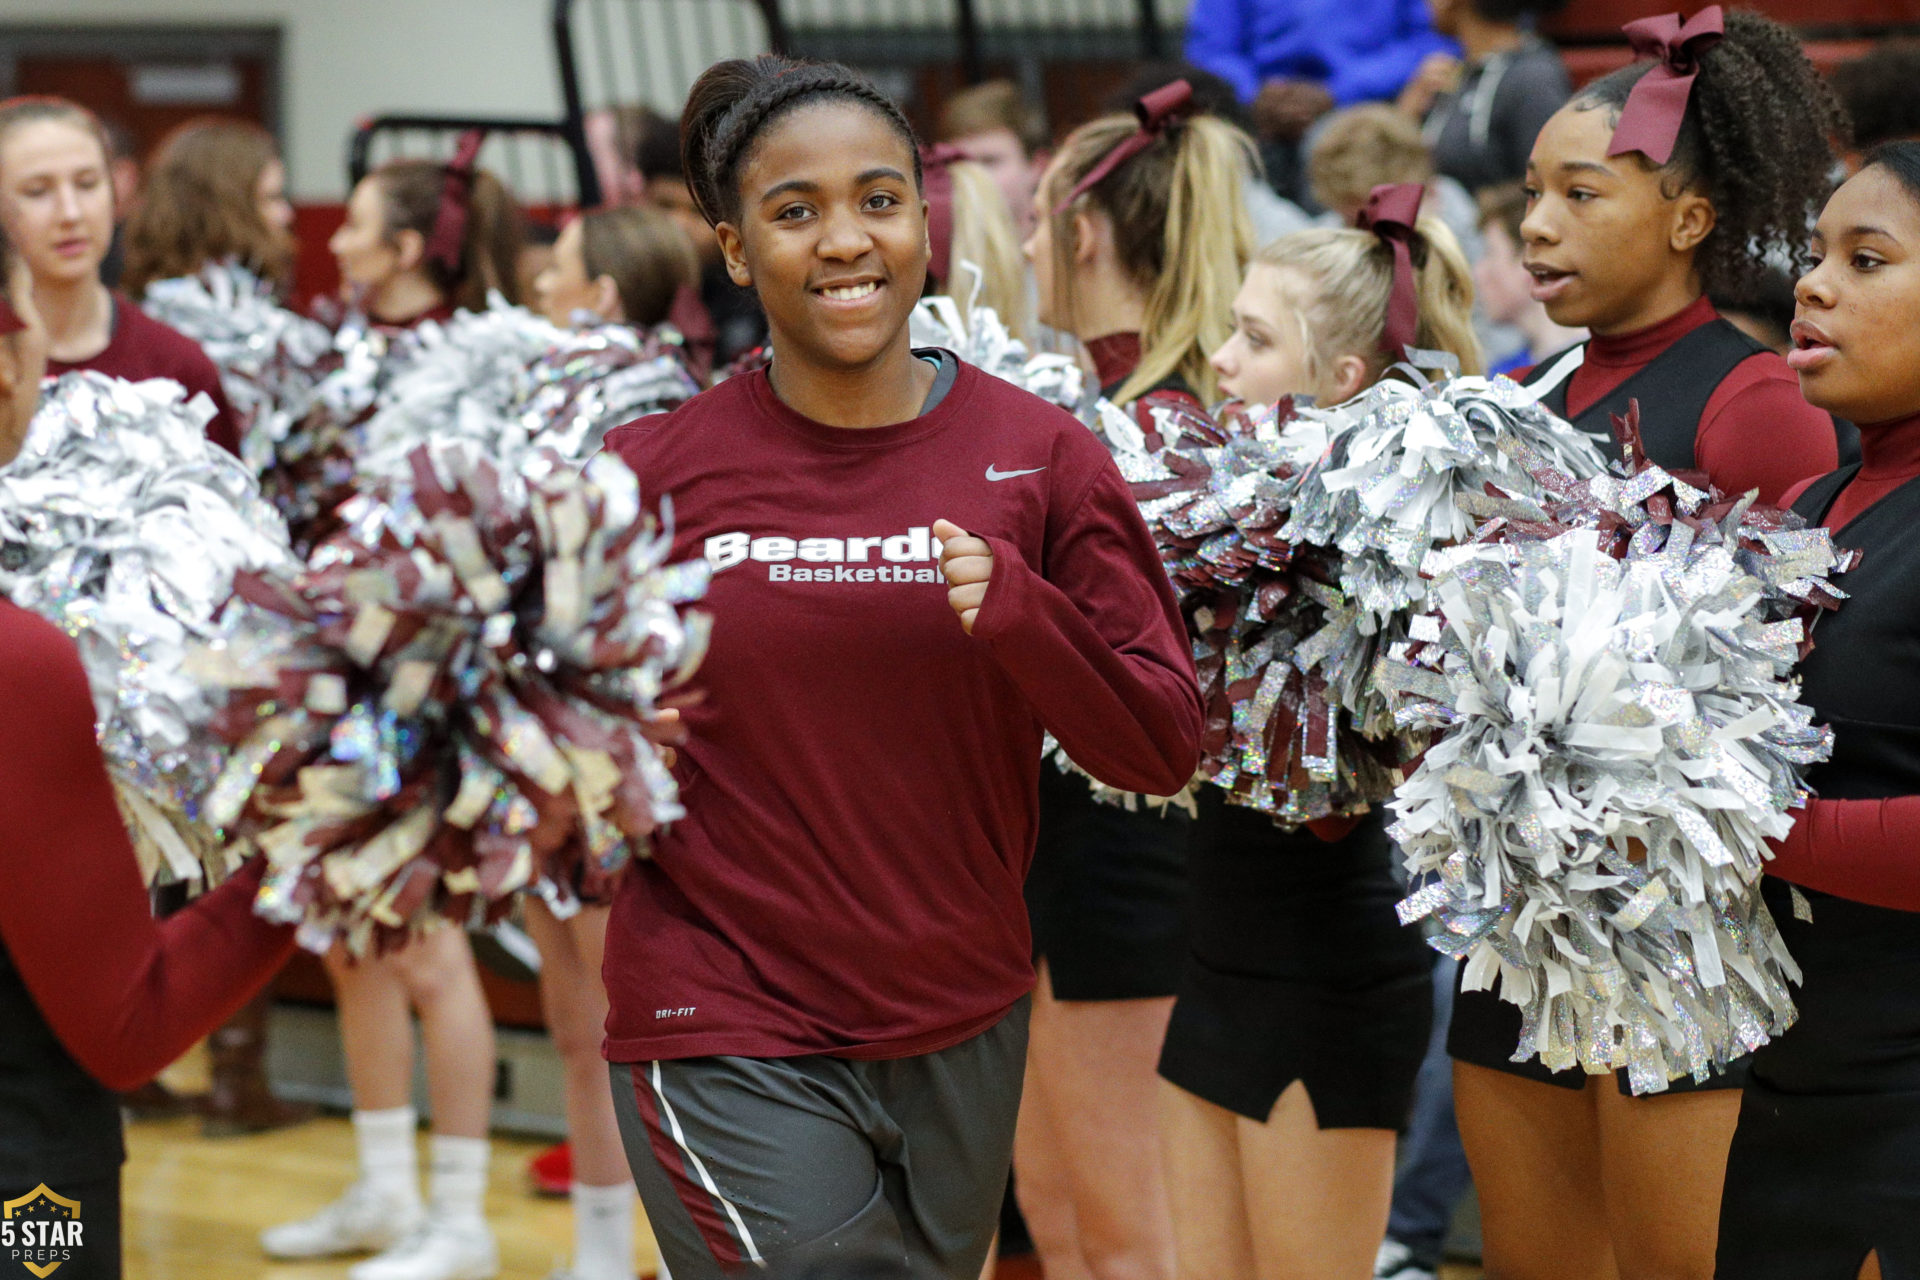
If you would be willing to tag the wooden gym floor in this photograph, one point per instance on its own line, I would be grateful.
(194, 1207)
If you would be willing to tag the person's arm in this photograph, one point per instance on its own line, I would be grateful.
(1864, 850)
(1757, 432)
(1220, 40)
(125, 994)
(1097, 645)
(1375, 48)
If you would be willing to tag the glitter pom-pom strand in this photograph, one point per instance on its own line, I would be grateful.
(459, 699)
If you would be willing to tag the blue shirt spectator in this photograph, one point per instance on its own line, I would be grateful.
(1360, 50)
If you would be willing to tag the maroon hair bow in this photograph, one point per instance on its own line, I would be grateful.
(448, 240)
(936, 184)
(1392, 212)
(1158, 110)
(10, 321)
(1650, 122)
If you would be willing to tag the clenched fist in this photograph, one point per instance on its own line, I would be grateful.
(967, 562)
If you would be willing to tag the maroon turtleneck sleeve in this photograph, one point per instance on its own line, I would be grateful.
(1862, 849)
(1756, 431)
(125, 993)
(141, 348)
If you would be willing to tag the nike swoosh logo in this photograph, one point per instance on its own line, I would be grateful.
(993, 473)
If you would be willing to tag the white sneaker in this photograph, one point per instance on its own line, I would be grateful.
(361, 1221)
(1395, 1261)
(439, 1249)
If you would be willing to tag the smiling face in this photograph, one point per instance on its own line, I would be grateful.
(1856, 327)
(1608, 248)
(832, 234)
(1266, 357)
(56, 199)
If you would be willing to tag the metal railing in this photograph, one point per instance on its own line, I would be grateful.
(537, 159)
(613, 53)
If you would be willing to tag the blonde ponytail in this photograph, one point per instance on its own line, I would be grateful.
(1337, 282)
(1182, 233)
(984, 234)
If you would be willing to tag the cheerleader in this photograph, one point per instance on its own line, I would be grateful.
(819, 981)
(1303, 1008)
(617, 265)
(419, 240)
(56, 205)
(1140, 236)
(423, 239)
(1825, 1167)
(1650, 188)
(216, 191)
(79, 1022)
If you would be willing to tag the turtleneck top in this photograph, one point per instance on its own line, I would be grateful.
(1115, 357)
(1862, 849)
(1800, 441)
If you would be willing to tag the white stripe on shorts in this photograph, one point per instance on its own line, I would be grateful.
(700, 1168)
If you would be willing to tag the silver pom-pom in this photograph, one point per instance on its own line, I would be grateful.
(1624, 738)
(595, 379)
(1411, 466)
(270, 359)
(520, 389)
(460, 379)
(977, 335)
(123, 525)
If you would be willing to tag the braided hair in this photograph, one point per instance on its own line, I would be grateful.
(733, 102)
(1756, 140)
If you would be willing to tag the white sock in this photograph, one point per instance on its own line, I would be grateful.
(389, 1162)
(603, 1231)
(458, 1183)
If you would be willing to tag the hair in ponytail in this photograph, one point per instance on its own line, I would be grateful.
(985, 236)
(1181, 230)
(411, 191)
(1338, 282)
(1756, 140)
(644, 253)
(733, 102)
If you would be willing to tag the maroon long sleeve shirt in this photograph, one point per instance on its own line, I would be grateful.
(141, 347)
(125, 994)
(861, 780)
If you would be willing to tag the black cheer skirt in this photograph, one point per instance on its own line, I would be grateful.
(1107, 893)
(1825, 1166)
(1299, 970)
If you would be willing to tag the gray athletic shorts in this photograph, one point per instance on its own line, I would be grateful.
(818, 1167)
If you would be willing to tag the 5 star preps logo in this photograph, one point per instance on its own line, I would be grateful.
(40, 1230)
